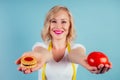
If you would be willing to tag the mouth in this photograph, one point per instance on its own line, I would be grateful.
(58, 31)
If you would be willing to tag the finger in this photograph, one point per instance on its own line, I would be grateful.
(108, 67)
(27, 71)
(23, 69)
(100, 68)
(18, 61)
(19, 68)
(105, 68)
(93, 70)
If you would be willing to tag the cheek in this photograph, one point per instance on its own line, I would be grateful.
(52, 26)
(51, 30)
(66, 28)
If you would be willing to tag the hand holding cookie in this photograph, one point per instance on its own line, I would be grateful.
(28, 61)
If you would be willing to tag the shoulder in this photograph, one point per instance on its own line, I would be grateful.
(41, 44)
(77, 45)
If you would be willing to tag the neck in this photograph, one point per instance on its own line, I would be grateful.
(59, 44)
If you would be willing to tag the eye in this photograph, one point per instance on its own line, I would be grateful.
(64, 21)
(53, 21)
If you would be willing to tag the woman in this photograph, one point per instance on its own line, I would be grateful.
(58, 56)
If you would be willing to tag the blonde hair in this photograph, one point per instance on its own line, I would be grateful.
(46, 32)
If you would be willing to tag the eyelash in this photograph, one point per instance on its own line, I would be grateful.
(64, 22)
(56, 22)
(53, 22)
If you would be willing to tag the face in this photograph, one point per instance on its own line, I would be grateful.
(59, 25)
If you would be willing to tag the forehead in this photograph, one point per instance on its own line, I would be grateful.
(61, 14)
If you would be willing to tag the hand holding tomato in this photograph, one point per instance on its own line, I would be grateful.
(99, 60)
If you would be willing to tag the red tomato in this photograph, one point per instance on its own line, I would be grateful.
(96, 58)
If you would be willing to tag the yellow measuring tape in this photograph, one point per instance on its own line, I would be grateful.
(73, 65)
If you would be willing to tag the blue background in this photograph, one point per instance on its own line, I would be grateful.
(97, 24)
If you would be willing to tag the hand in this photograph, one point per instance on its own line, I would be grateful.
(101, 68)
(104, 68)
(40, 62)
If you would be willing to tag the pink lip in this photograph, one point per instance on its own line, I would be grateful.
(58, 31)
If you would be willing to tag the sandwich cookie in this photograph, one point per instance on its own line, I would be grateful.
(28, 61)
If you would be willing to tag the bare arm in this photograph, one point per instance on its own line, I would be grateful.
(42, 55)
(43, 52)
(78, 56)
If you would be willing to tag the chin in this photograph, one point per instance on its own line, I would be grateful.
(58, 37)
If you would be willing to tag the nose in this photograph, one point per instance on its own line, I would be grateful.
(58, 25)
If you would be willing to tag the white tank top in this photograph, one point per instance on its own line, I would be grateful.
(61, 70)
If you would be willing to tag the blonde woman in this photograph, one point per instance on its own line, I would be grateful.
(58, 57)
